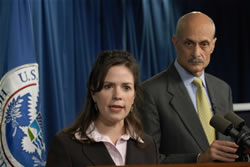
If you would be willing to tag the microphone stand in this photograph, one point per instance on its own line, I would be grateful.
(244, 147)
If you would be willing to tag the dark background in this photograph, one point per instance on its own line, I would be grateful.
(69, 34)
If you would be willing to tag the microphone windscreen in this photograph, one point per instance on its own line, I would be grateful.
(220, 124)
(237, 121)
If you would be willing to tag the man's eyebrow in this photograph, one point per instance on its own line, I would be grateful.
(205, 41)
(189, 40)
(192, 41)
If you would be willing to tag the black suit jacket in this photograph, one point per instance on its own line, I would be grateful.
(168, 114)
(65, 152)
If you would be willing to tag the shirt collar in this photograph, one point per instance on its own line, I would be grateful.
(94, 134)
(187, 77)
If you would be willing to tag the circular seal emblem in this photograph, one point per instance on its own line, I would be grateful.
(21, 142)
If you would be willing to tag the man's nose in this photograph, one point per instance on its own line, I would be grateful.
(196, 51)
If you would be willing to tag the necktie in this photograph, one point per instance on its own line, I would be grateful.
(204, 111)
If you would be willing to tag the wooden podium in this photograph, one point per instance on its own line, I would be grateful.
(216, 164)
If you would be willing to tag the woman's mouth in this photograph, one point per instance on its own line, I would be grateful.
(116, 108)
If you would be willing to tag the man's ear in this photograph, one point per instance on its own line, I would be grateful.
(213, 44)
(174, 41)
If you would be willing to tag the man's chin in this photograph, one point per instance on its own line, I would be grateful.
(196, 64)
(197, 71)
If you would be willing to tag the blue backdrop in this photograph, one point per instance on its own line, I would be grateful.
(68, 35)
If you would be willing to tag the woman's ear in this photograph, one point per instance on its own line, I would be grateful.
(93, 96)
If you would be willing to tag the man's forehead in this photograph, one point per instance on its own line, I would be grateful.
(200, 40)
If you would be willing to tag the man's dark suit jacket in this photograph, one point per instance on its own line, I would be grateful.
(65, 152)
(169, 115)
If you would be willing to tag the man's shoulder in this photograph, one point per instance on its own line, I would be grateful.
(215, 80)
(160, 78)
(156, 78)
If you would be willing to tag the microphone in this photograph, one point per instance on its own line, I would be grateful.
(226, 127)
(237, 121)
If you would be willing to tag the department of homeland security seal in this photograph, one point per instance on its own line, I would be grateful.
(21, 137)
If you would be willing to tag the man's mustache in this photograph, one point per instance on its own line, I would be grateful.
(195, 60)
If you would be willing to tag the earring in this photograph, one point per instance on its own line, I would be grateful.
(132, 108)
(96, 108)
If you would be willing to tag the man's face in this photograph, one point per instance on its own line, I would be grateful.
(194, 45)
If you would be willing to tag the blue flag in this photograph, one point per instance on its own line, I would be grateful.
(21, 135)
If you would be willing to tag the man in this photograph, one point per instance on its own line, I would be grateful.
(170, 112)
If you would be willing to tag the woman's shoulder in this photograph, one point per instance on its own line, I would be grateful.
(63, 134)
(62, 137)
(148, 141)
(147, 138)
(66, 140)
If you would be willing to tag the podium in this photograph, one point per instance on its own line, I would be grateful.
(215, 164)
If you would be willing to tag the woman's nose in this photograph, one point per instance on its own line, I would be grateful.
(117, 94)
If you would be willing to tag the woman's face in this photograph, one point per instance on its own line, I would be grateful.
(115, 99)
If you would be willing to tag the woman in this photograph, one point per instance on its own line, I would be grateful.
(108, 132)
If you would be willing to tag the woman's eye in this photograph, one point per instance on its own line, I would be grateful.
(107, 86)
(127, 87)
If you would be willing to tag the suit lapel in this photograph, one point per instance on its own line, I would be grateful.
(133, 153)
(212, 90)
(97, 154)
(191, 120)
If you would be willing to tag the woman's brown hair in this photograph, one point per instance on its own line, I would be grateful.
(104, 62)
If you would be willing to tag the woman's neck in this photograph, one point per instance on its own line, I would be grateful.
(113, 131)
